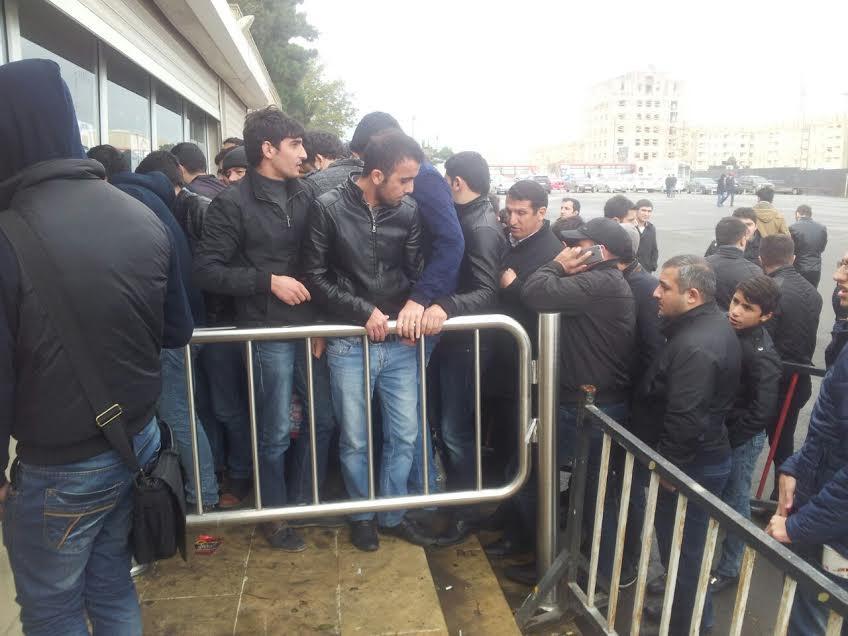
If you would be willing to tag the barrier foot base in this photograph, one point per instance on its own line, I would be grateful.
(539, 608)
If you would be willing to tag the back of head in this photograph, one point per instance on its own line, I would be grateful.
(112, 159)
(370, 125)
(804, 211)
(318, 142)
(693, 272)
(472, 168)
(761, 290)
(729, 231)
(567, 223)
(190, 156)
(164, 162)
(745, 213)
(233, 141)
(766, 194)
(777, 250)
(529, 190)
(37, 117)
(268, 124)
(387, 150)
(618, 207)
(235, 158)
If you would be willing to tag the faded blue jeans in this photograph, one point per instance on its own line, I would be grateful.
(737, 495)
(173, 410)
(394, 376)
(67, 532)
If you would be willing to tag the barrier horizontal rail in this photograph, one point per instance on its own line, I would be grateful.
(479, 495)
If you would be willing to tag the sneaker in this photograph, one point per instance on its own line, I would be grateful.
(363, 535)
(408, 531)
(319, 522)
(719, 582)
(281, 537)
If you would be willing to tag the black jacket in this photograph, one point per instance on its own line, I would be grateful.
(117, 263)
(485, 246)
(598, 334)
(207, 185)
(731, 268)
(752, 249)
(757, 398)
(838, 340)
(648, 254)
(524, 259)
(683, 399)
(649, 336)
(251, 230)
(332, 176)
(357, 259)
(796, 321)
(810, 241)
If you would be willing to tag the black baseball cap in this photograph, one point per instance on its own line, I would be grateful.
(235, 158)
(606, 232)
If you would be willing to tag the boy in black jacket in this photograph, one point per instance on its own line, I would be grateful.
(752, 305)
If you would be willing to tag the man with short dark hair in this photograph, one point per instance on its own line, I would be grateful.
(810, 240)
(621, 209)
(793, 329)
(569, 208)
(234, 165)
(113, 160)
(363, 228)
(193, 168)
(769, 219)
(66, 514)
(753, 304)
(752, 247)
(647, 254)
(251, 249)
(729, 261)
(680, 407)
(322, 149)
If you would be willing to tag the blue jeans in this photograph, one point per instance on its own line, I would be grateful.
(325, 425)
(416, 473)
(273, 368)
(737, 495)
(67, 533)
(809, 616)
(527, 497)
(223, 365)
(712, 476)
(173, 410)
(394, 376)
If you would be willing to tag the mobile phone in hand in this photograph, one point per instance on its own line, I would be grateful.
(598, 255)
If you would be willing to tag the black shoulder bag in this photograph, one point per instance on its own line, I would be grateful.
(158, 514)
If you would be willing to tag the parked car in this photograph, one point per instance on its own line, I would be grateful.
(584, 185)
(501, 183)
(558, 183)
(702, 185)
(543, 180)
(750, 183)
(783, 188)
(622, 183)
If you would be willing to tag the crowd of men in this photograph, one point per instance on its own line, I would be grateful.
(299, 228)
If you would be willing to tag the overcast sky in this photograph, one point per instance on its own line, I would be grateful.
(503, 77)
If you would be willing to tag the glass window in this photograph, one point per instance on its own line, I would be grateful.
(47, 33)
(128, 100)
(197, 127)
(169, 118)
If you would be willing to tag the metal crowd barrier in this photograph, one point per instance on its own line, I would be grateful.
(319, 509)
(558, 589)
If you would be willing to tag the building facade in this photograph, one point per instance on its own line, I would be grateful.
(635, 118)
(145, 74)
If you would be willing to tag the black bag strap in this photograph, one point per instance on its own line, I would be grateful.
(44, 275)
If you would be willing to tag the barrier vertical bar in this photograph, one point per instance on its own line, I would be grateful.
(781, 625)
(422, 408)
(478, 414)
(251, 408)
(369, 425)
(834, 624)
(673, 561)
(600, 511)
(742, 590)
(704, 576)
(192, 422)
(645, 556)
(548, 466)
(618, 557)
(310, 396)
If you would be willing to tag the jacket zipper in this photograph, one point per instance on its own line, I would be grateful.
(373, 243)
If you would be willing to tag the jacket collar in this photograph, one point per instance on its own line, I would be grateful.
(783, 270)
(731, 251)
(525, 242)
(674, 326)
(476, 204)
(47, 171)
(356, 192)
(267, 189)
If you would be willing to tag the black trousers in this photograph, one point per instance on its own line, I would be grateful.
(785, 447)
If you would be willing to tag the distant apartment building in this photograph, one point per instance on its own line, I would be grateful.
(819, 143)
(635, 118)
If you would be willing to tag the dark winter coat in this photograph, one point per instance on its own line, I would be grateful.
(810, 240)
(731, 268)
(648, 254)
(796, 322)
(649, 336)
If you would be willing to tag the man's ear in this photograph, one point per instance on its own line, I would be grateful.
(543, 211)
(377, 177)
(766, 317)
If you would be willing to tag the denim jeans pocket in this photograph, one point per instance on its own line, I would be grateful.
(71, 519)
(340, 346)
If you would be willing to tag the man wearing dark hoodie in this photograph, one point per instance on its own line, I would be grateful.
(193, 169)
(157, 191)
(125, 288)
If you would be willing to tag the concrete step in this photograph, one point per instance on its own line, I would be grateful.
(330, 588)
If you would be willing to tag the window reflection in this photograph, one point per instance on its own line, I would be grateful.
(128, 107)
(197, 127)
(169, 118)
(47, 34)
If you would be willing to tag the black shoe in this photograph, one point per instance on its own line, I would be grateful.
(363, 535)
(319, 522)
(657, 586)
(719, 582)
(504, 547)
(524, 574)
(409, 531)
(629, 573)
(281, 537)
(456, 533)
(652, 612)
